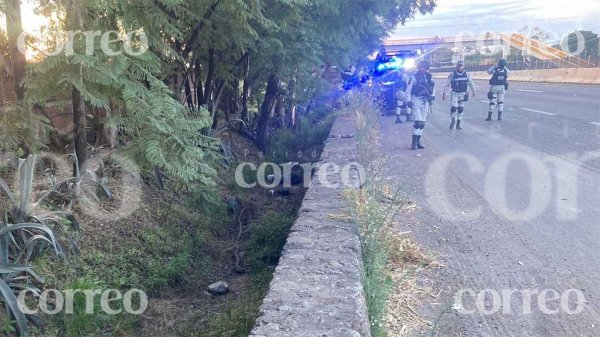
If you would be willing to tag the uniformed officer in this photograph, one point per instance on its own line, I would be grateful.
(498, 86)
(401, 84)
(422, 95)
(459, 80)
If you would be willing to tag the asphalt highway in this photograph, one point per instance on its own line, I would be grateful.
(512, 207)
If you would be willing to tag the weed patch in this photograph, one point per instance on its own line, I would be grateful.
(390, 259)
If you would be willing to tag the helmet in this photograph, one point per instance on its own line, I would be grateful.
(502, 63)
(460, 63)
(424, 64)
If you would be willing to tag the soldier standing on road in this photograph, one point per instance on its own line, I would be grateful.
(498, 86)
(459, 80)
(401, 94)
(420, 86)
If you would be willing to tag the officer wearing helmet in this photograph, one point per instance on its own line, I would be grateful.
(498, 86)
(459, 80)
(420, 86)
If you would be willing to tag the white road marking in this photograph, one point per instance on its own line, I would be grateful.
(527, 90)
(482, 101)
(595, 123)
(540, 112)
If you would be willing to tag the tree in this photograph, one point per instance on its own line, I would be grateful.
(535, 33)
(590, 40)
(14, 28)
(207, 62)
(158, 129)
(308, 35)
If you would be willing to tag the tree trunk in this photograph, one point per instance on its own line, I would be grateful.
(188, 94)
(199, 90)
(14, 28)
(2, 96)
(290, 116)
(214, 104)
(209, 76)
(245, 89)
(262, 136)
(79, 137)
(109, 132)
(193, 42)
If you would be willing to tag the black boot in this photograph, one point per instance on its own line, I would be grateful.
(458, 127)
(398, 120)
(499, 115)
(453, 123)
(419, 146)
(489, 116)
(413, 146)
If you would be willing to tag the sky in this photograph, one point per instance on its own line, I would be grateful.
(456, 17)
(459, 17)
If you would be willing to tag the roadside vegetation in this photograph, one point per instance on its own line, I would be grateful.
(391, 258)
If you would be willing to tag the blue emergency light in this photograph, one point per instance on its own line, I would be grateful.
(392, 61)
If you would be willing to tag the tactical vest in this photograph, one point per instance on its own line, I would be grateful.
(423, 86)
(459, 82)
(401, 82)
(499, 77)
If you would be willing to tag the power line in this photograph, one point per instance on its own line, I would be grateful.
(519, 2)
(518, 10)
(499, 22)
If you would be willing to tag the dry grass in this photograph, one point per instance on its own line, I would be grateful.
(407, 259)
(392, 259)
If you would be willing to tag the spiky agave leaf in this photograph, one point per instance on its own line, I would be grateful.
(11, 303)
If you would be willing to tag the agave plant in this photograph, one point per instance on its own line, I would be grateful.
(26, 231)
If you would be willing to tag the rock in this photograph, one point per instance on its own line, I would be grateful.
(219, 288)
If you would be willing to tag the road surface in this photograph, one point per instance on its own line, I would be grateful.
(513, 209)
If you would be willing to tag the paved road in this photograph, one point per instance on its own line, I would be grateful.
(510, 205)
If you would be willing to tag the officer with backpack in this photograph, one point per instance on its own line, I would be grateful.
(459, 80)
(498, 87)
(420, 86)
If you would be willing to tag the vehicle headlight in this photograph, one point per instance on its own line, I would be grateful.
(409, 63)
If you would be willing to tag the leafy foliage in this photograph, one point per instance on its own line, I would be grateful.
(268, 238)
(157, 129)
(591, 46)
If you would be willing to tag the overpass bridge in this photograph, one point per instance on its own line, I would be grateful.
(459, 45)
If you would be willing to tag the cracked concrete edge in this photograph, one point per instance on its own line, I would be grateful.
(317, 286)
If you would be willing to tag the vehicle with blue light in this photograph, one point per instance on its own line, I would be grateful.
(390, 73)
(390, 61)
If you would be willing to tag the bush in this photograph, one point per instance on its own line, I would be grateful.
(311, 132)
(267, 239)
(80, 323)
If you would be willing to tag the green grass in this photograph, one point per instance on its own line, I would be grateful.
(79, 323)
(267, 239)
(372, 217)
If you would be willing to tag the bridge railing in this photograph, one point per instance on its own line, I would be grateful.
(522, 65)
